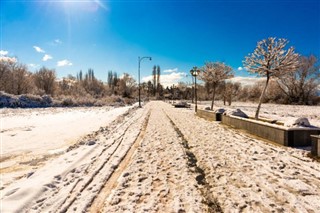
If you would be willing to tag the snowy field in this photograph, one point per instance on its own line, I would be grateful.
(152, 159)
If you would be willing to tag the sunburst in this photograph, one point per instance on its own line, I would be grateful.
(84, 3)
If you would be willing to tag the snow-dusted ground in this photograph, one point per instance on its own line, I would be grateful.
(46, 130)
(30, 137)
(154, 159)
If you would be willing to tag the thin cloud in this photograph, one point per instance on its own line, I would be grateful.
(33, 65)
(64, 63)
(57, 41)
(246, 81)
(170, 70)
(3, 52)
(38, 49)
(46, 57)
(167, 79)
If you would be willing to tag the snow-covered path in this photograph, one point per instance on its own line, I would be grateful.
(159, 177)
(162, 159)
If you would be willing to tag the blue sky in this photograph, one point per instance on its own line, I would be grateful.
(70, 36)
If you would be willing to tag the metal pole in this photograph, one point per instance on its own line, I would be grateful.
(139, 81)
(195, 90)
(192, 91)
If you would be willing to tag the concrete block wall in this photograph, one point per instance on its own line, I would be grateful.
(315, 147)
(293, 137)
(209, 115)
(267, 132)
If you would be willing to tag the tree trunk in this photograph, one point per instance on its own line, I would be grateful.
(213, 95)
(261, 97)
(230, 100)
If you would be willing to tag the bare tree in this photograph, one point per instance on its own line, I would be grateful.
(14, 77)
(230, 90)
(154, 74)
(300, 86)
(21, 80)
(158, 79)
(45, 79)
(270, 59)
(5, 72)
(150, 88)
(126, 85)
(213, 73)
(112, 81)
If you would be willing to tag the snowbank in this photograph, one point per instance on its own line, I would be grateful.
(300, 122)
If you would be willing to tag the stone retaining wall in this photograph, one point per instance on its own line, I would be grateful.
(293, 137)
(209, 115)
(315, 147)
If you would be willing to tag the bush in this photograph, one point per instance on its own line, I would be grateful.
(67, 102)
(35, 101)
(24, 101)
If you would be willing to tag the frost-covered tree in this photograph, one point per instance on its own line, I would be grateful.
(14, 77)
(270, 59)
(45, 80)
(213, 73)
(229, 90)
(300, 86)
(126, 85)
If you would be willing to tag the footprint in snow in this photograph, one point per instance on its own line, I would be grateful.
(11, 192)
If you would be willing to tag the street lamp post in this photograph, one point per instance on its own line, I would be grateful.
(195, 72)
(140, 59)
(192, 89)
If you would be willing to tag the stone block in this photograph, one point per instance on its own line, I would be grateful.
(209, 115)
(315, 147)
(293, 137)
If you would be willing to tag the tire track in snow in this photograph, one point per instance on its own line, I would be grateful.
(211, 202)
(97, 204)
(157, 179)
(73, 188)
(116, 153)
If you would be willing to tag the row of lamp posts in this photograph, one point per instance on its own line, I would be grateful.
(194, 72)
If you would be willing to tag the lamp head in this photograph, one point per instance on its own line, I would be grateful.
(194, 71)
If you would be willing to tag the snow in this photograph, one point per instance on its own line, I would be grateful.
(31, 136)
(26, 130)
(236, 112)
(155, 159)
(300, 122)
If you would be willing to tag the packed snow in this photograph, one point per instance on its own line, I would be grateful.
(154, 159)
